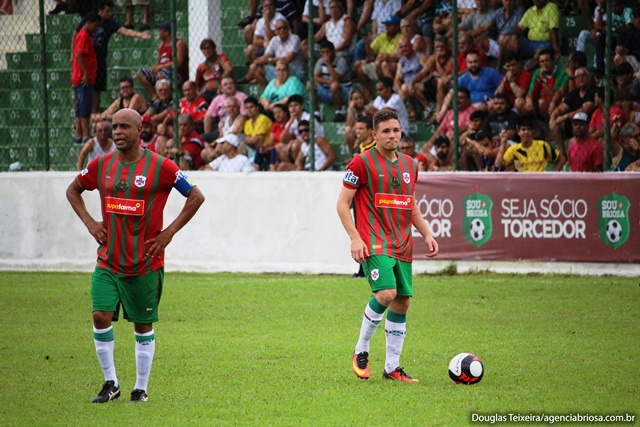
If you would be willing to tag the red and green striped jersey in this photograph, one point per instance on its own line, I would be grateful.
(384, 202)
(133, 197)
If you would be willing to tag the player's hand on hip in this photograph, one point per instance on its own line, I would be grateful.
(98, 231)
(432, 245)
(359, 250)
(157, 244)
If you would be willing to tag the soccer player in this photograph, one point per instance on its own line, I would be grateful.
(383, 243)
(134, 185)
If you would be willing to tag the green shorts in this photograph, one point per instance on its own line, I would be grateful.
(384, 272)
(138, 295)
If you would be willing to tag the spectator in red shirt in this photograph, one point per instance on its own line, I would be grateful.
(84, 68)
(585, 153)
(191, 104)
(191, 145)
(210, 73)
(616, 115)
(516, 81)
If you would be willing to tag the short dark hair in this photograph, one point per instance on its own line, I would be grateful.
(503, 95)
(511, 56)
(105, 3)
(383, 116)
(295, 98)
(579, 57)
(126, 79)
(442, 140)
(93, 16)
(623, 69)
(326, 44)
(477, 115)
(386, 82)
(546, 51)
(303, 123)
(205, 42)
(367, 120)
(282, 107)
(251, 100)
(465, 91)
(526, 122)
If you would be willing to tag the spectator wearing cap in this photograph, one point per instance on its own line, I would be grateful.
(230, 160)
(585, 154)
(380, 59)
(188, 154)
(579, 100)
(151, 140)
(164, 66)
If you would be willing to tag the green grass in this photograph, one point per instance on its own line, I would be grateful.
(274, 350)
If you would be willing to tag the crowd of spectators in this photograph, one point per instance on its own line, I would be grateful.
(521, 106)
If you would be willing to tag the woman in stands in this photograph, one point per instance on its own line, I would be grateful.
(281, 88)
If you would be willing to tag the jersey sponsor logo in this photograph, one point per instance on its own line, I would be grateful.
(124, 206)
(406, 178)
(350, 178)
(375, 274)
(398, 201)
(84, 171)
(140, 181)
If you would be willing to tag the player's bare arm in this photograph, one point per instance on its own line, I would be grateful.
(423, 229)
(162, 240)
(96, 228)
(359, 251)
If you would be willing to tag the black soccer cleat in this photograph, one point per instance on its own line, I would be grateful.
(138, 395)
(109, 392)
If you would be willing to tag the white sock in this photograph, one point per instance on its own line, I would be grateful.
(145, 348)
(370, 322)
(395, 339)
(103, 340)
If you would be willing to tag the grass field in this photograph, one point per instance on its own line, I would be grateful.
(275, 350)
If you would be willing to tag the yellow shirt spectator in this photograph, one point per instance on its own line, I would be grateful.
(262, 126)
(382, 44)
(540, 24)
(532, 159)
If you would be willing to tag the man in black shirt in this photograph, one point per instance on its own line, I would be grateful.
(503, 118)
(100, 43)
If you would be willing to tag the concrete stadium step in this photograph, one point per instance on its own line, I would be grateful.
(33, 61)
(59, 24)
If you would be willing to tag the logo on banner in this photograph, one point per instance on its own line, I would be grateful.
(476, 225)
(613, 224)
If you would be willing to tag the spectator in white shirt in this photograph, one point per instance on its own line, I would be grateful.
(388, 100)
(230, 160)
(258, 39)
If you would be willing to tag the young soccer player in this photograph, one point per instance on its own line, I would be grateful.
(381, 183)
(134, 185)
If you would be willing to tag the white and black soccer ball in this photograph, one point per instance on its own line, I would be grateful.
(476, 229)
(466, 368)
(614, 231)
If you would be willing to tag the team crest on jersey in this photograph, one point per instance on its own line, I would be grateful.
(84, 171)
(395, 182)
(375, 274)
(350, 177)
(406, 178)
(140, 181)
(122, 185)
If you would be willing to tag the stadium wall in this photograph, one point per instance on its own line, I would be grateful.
(260, 222)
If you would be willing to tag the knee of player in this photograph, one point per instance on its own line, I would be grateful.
(386, 296)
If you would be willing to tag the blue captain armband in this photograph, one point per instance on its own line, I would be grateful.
(183, 183)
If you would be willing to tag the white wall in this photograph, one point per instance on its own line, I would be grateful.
(260, 222)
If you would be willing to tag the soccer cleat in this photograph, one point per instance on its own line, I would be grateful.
(398, 375)
(360, 365)
(138, 395)
(109, 392)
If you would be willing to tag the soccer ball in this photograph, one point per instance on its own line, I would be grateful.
(614, 231)
(466, 368)
(477, 229)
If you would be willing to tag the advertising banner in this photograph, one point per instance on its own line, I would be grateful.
(536, 217)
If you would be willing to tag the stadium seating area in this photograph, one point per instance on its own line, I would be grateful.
(22, 116)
